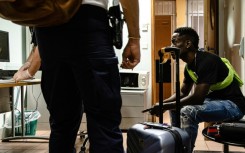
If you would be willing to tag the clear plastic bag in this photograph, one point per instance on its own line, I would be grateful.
(29, 117)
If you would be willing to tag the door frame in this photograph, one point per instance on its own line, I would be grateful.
(153, 63)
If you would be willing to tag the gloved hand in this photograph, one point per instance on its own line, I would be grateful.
(22, 75)
(25, 66)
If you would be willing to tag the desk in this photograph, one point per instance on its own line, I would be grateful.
(224, 141)
(22, 85)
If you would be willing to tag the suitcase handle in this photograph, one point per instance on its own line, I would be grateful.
(161, 126)
(176, 52)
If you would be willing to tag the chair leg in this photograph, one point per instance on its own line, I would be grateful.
(226, 148)
(83, 147)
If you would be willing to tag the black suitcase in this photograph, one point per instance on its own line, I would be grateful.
(150, 137)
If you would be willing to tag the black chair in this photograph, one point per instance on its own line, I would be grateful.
(226, 145)
(83, 135)
(225, 142)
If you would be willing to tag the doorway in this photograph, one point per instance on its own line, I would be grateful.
(163, 19)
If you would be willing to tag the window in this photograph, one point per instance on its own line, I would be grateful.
(195, 11)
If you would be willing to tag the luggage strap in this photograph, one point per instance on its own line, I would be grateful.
(178, 140)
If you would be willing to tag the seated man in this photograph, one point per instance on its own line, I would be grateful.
(217, 95)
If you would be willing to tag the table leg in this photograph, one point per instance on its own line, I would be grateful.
(22, 112)
(23, 136)
(12, 110)
(226, 148)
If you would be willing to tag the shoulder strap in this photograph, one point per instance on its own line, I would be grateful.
(230, 67)
(191, 74)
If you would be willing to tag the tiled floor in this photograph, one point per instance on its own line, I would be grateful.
(41, 146)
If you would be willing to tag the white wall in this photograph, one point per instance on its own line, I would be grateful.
(145, 32)
(234, 30)
(15, 44)
(243, 35)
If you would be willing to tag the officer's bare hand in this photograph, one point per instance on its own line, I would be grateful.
(131, 54)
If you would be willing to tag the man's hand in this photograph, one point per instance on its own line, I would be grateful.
(22, 75)
(25, 66)
(131, 54)
(154, 110)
